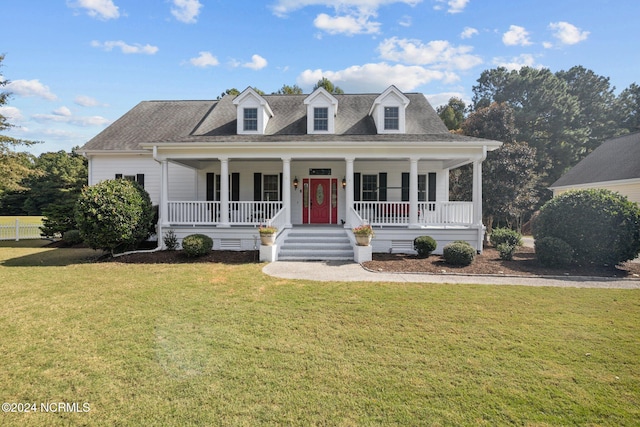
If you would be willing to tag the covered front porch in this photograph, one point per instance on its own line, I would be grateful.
(402, 193)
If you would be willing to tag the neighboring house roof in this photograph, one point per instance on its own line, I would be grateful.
(615, 160)
(216, 121)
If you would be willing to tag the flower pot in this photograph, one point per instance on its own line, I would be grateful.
(267, 239)
(363, 240)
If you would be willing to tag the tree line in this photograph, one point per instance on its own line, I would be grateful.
(547, 121)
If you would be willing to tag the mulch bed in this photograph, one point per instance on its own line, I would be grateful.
(524, 263)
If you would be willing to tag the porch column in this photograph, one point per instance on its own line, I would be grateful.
(224, 192)
(286, 190)
(413, 193)
(477, 192)
(164, 193)
(349, 191)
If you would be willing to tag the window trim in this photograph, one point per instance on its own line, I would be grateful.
(246, 120)
(391, 122)
(321, 124)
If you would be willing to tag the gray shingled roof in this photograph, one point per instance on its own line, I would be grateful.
(616, 159)
(215, 121)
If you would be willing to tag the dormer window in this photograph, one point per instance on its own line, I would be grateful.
(391, 118)
(253, 113)
(250, 121)
(322, 108)
(388, 111)
(320, 119)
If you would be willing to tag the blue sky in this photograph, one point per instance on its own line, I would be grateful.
(75, 66)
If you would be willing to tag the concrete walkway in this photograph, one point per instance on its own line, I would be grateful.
(351, 272)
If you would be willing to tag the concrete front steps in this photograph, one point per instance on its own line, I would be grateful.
(308, 243)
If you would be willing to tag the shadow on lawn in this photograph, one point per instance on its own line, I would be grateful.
(36, 253)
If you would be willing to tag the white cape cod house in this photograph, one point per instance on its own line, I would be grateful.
(227, 166)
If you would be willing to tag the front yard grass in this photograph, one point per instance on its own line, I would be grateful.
(216, 344)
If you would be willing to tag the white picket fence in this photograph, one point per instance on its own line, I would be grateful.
(18, 231)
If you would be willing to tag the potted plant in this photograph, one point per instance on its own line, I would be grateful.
(363, 234)
(267, 235)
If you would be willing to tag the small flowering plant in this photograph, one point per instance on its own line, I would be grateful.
(266, 231)
(363, 230)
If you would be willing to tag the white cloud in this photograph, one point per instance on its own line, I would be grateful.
(30, 88)
(102, 9)
(437, 53)
(283, 7)
(62, 111)
(568, 34)
(406, 21)
(87, 101)
(186, 11)
(468, 32)
(64, 115)
(206, 59)
(453, 6)
(516, 36)
(125, 47)
(357, 23)
(515, 63)
(257, 63)
(377, 77)
(12, 114)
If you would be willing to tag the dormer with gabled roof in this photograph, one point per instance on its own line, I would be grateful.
(322, 108)
(253, 112)
(388, 111)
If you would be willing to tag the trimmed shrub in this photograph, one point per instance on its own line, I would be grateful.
(458, 253)
(553, 252)
(505, 235)
(195, 245)
(170, 240)
(602, 227)
(114, 215)
(424, 245)
(72, 237)
(506, 251)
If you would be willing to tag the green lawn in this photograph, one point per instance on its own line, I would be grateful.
(214, 344)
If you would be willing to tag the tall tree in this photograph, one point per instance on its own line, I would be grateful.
(544, 109)
(328, 86)
(14, 166)
(596, 108)
(289, 90)
(453, 113)
(628, 108)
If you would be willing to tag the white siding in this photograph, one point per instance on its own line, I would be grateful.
(629, 189)
(181, 179)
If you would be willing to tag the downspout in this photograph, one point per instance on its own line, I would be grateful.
(158, 226)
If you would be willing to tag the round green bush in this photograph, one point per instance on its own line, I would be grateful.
(506, 251)
(195, 245)
(458, 253)
(72, 237)
(114, 215)
(553, 252)
(424, 245)
(505, 235)
(602, 227)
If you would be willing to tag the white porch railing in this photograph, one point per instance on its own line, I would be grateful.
(279, 220)
(429, 213)
(208, 213)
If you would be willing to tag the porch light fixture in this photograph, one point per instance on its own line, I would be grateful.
(344, 183)
(295, 183)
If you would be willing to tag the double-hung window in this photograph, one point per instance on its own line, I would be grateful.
(320, 119)
(391, 118)
(250, 119)
(369, 188)
(270, 190)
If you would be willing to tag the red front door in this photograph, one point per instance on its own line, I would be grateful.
(320, 201)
